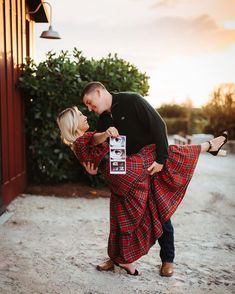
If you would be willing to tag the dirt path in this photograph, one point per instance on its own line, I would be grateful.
(51, 245)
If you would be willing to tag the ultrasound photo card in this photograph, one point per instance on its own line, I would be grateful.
(117, 155)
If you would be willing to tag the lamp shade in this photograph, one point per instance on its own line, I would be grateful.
(50, 34)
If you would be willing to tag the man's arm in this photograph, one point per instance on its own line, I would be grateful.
(156, 126)
(155, 168)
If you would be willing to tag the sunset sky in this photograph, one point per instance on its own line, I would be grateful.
(187, 47)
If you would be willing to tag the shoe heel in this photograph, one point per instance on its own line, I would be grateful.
(119, 270)
(222, 153)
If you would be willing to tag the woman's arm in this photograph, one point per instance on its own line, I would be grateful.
(99, 138)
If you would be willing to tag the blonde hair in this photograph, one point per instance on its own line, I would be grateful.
(67, 121)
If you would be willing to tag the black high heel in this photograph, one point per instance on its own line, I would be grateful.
(136, 273)
(225, 135)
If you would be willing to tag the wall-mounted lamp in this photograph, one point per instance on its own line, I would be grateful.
(50, 33)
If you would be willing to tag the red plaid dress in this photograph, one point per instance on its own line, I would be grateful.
(140, 203)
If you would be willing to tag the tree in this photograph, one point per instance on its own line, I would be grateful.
(220, 110)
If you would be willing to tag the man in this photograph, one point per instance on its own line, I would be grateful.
(134, 117)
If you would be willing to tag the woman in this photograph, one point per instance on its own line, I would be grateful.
(139, 203)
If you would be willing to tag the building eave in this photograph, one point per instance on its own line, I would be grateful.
(41, 15)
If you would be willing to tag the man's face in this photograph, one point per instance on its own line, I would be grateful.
(95, 101)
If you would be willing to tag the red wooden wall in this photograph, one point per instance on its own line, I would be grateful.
(13, 51)
(16, 42)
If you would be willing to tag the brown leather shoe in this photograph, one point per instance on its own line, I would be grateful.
(105, 266)
(166, 269)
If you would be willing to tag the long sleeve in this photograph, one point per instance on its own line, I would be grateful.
(135, 118)
(85, 150)
(156, 126)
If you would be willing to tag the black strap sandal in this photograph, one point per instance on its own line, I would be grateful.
(136, 273)
(225, 135)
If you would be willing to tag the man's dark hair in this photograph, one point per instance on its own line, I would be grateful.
(90, 87)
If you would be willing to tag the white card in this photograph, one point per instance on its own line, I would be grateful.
(117, 155)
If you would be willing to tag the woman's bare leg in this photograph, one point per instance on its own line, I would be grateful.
(129, 267)
(216, 143)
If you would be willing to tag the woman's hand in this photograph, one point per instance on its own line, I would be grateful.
(112, 132)
(90, 168)
(102, 137)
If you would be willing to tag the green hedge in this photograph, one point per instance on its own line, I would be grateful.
(183, 118)
(176, 125)
(55, 84)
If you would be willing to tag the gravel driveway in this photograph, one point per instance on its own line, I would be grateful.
(52, 245)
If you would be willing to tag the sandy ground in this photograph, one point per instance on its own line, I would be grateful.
(52, 245)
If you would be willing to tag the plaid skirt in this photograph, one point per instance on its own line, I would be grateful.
(139, 203)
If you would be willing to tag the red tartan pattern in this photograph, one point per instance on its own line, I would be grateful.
(86, 151)
(170, 184)
(140, 203)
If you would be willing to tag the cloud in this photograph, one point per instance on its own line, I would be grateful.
(204, 22)
(189, 35)
(144, 39)
(177, 42)
(164, 3)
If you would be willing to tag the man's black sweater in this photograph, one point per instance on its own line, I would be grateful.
(135, 118)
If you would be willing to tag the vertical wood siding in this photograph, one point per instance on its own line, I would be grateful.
(13, 44)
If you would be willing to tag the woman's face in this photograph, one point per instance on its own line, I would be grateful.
(82, 122)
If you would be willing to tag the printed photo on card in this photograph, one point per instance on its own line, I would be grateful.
(118, 166)
(117, 155)
(118, 142)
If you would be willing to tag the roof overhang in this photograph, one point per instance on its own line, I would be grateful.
(41, 15)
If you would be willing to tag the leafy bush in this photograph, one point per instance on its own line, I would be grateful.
(55, 84)
(183, 119)
(176, 117)
(197, 121)
(173, 110)
(176, 125)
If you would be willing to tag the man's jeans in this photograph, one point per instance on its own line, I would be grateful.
(166, 242)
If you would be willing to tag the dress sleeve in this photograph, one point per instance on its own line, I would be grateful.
(86, 151)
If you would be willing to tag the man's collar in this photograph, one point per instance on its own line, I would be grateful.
(114, 100)
(113, 105)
